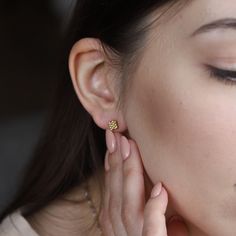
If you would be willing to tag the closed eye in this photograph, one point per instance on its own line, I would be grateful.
(226, 76)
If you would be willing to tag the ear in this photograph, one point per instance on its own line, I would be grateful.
(94, 82)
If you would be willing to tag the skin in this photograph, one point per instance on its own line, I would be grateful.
(185, 121)
(125, 211)
(182, 120)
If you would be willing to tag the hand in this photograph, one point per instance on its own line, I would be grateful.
(125, 211)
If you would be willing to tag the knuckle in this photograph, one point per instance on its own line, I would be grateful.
(129, 171)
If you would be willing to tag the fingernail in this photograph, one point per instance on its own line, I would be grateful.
(156, 190)
(125, 147)
(110, 141)
(175, 217)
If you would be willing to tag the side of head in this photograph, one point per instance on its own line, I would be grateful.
(156, 84)
(144, 64)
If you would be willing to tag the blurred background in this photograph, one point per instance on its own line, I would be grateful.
(31, 37)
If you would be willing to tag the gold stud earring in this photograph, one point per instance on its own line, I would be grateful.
(113, 125)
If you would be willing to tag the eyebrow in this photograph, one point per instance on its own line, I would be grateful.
(225, 23)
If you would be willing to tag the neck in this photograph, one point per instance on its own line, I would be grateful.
(170, 211)
(66, 217)
(60, 217)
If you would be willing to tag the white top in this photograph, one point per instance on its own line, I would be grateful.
(16, 225)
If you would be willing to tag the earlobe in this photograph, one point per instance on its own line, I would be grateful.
(93, 81)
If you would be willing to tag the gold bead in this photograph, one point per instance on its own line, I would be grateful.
(113, 125)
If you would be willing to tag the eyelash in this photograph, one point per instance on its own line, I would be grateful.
(222, 75)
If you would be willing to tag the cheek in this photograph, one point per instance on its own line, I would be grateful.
(187, 139)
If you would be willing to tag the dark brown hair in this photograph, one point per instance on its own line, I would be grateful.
(71, 147)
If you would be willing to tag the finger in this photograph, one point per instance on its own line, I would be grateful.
(133, 192)
(148, 185)
(115, 188)
(177, 228)
(104, 218)
(154, 214)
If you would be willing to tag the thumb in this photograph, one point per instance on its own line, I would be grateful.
(177, 227)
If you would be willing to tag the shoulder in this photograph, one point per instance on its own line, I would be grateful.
(70, 211)
(16, 225)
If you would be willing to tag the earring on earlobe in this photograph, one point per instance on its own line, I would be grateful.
(113, 125)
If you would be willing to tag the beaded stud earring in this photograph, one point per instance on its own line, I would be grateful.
(113, 125)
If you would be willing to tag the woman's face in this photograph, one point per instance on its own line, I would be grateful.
(184, 120)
